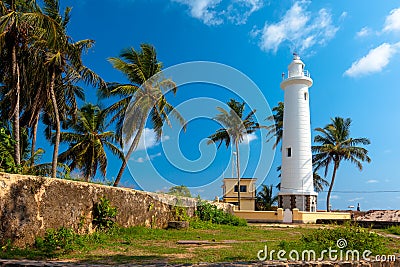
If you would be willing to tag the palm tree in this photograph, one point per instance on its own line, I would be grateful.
(87, 142)
(276, 128)
(319, 182)
(65, 67)
(21, 24)
(336, 145)
(236, 127)
(265, 198)
(28, 164)
(142, 98)
(14, 30)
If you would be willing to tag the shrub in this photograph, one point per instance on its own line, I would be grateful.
(356, 238)
(104, 214)
(208, 212)
(61, 240)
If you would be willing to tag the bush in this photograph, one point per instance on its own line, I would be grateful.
(210, 213)
(61, 240)
(104, 214)
(356, 238)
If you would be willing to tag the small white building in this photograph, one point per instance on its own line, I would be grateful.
(297, 189)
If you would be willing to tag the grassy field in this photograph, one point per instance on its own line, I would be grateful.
(144, 245)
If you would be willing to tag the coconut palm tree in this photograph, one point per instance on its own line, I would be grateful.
(142, 98)
(21, 24)
(335, 146)
(236, 128)
(87, 142)
(265, 198)
(28, 164)
(14, 31)
(64, 62)
(275, 130)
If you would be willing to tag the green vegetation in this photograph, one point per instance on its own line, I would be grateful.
(265, 198)
(210, 213)
(226, 243)
(394, 230)
(87, 142)
(104, 214)
(356, 238)
(180, 191)
(141, 99)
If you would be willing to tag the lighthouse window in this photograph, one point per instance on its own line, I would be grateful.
(289, 152)
(305, 96)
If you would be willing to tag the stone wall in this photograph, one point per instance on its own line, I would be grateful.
(30, 205)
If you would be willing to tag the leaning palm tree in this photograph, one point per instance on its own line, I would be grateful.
(140, 99)
(236, 127)
(336, 145)
(87, 142)
(275, 130)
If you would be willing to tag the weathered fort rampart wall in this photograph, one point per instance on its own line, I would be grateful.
(30, 205)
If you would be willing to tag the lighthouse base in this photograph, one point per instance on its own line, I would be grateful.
(301, 202)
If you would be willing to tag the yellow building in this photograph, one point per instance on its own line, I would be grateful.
(247, 192)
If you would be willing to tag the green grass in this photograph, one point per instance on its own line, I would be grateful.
(145, 245)
(395, 230)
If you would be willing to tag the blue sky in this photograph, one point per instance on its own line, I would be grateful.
(353, 58)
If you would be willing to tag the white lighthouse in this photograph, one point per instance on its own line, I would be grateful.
(297, 190)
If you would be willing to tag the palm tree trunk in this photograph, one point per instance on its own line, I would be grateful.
(336, 166)
(133, 146)
(15, 73)
(58, 128)
(34, 135)
(238, 170)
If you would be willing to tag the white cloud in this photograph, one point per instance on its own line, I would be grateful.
(372, 181)
(140, 160)
(247, 139)
(392, 22)
(203, 10)
(335, 197)
(147, 158)
(147, 140)
(299, 28)
(343, 16)
(216, 12)
(355, 199)
(365, 31)
(165, 138)
(235, 10)
(376, 59)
